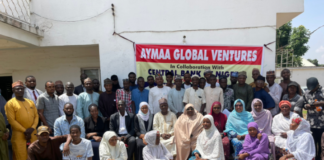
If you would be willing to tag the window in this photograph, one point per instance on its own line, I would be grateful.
(93, 73)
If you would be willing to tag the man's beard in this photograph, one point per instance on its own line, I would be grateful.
(68, 115)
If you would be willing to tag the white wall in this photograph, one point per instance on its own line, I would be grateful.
(301, 74)
(49, 63)
(213, 22)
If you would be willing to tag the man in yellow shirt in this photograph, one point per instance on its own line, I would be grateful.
(23, 117)
(255, 75)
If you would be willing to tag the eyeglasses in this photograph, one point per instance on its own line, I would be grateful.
(259, 81)
(239, 105)
(190, 109)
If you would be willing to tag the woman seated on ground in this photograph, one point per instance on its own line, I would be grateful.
(186, 131)
(154, 149)
(296, 101)
(112, 148)
(255, 146)
(300, 142)
(143, 124)
(220, 122)
(95, 126)
(263, 118)
(209, 143)
(236, 125)
(280, 125)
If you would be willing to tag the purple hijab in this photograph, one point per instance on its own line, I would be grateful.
(254, 146)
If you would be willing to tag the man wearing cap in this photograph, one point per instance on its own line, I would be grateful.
(314, 103)
(213, 94)
(48, 106)
(122, 123)
(23, 117)
(187, 81)
(139, 94)
(195, 95)
(285, 74)
(296, 101)
(125, 94)
(107, 100)
(59, 88)
(163, 122)
(31, 92)
(175, 97)
(68, 97)
(87, 98)
(156, 93)
(275, 91)
(243, 91)
(207, 74)
(47, 147)
(255, 75)
(233, 79)
(228, 94)
(259, 92)
(81, 88)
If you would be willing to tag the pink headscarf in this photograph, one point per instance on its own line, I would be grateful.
(262, 118)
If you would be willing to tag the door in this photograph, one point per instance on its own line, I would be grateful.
(5, 86)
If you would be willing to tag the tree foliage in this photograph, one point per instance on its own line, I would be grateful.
(314, 61)
(293, 39)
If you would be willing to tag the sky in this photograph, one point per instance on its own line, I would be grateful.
(312, 18)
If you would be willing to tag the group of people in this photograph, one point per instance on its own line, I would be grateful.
(202, 118)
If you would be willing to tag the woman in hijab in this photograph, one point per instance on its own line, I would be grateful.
(186, 131)
(300, 142)
(236, 125)
(143, 124)
(115, 83)
(154, 149)
(255, 146)
(296, 101)
(280, 126)
(263, 118)
(220, 122)
(111, 148)
(209, 143)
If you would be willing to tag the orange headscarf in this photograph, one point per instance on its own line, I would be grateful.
(17, 83)
(284, 102)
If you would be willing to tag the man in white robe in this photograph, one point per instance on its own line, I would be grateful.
(163, 122)
(156, 93)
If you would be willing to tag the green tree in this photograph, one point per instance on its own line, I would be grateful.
(293, 39)
(314, 61)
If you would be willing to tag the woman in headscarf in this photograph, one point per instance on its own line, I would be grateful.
(220, 122)
(263, 118)
(296, 101)
(300, 142)
(236, 125)
(143, 124)
(154, 149)
(280, 126)
(112, 148)
(209, 143)
(255, 146)
(186, 131)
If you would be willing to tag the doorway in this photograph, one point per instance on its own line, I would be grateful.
(5, 86)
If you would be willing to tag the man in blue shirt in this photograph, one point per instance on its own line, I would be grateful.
(62, 124)
(132, 79)
(139, 94)
(259, 92)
